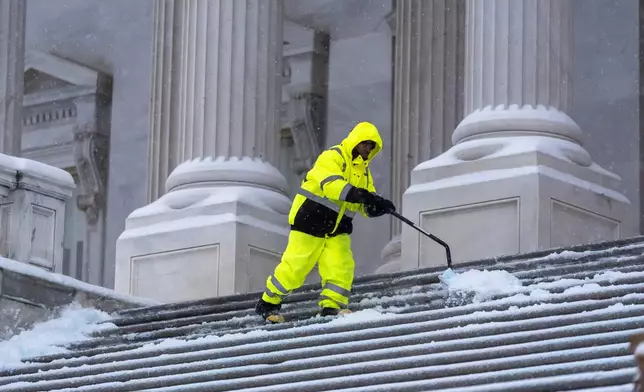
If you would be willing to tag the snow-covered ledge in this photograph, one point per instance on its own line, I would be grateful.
(29, 294)
(518, 178)
(32, 211)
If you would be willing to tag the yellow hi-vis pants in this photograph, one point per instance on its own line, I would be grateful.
(335, 264)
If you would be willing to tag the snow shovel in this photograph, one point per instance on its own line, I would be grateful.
(448, 273)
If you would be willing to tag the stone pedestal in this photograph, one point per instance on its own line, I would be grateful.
(12, 56)
(221, 226)
(518, 178)
(32, 212)
(428, 91)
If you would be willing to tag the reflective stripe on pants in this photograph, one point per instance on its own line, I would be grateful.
(335, 264)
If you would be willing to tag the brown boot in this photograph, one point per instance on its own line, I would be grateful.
(269, 311)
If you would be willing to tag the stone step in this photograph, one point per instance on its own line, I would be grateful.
(223, 313)
(194, 311)
(435, 341)
(575, 301)
(306, 292)
(608, 381)
(539, 326)
(244, 309)
(585, 269)
(614, 388)
(377, 373)
(584, 273)
(537, 260)
(240, 327)
(347, 352)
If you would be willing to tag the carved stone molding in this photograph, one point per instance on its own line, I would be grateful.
(307, 111)
(66, 121)
(90, 156)
(304, 91)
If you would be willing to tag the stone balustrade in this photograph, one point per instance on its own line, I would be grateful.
(32, 211)
(32, 214)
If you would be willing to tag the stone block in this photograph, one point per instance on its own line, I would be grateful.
(501, 196)
(32, 211)
(202, 242)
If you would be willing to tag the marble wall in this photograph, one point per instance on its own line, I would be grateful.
(114, 37)
(606, 87)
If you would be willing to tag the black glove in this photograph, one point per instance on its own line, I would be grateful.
(379, 207)
(360, 195)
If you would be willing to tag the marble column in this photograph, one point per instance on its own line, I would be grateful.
(12, 57)
(222, 224)
(428, 91)
(518, 177)
(161, 157)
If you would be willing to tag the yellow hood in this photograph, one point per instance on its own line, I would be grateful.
(361, 132)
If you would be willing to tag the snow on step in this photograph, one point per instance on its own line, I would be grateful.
(456, 334)
(443, 318)
(559, 319)
(321, 381)
(317, 346)
(577, 336)
(555, 383)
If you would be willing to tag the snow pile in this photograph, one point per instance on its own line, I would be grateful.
(483, 284)
(37, 169)
(360, 316)
(49, 337)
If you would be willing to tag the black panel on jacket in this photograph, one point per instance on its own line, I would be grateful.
(317, 220)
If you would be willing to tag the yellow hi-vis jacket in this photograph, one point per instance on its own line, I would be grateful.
(319, 208)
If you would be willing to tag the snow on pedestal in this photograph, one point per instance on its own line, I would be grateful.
(32, 211)
(518, 178)
(222, 224)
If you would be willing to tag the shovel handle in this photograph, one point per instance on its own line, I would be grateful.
(448, 252)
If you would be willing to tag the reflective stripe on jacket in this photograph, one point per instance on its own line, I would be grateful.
(320, 208)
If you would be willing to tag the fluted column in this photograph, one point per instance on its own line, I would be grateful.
(428, 93)
(519, 64)
(163, 134)
(215, 87)
(220, 224)
(428, 87)
(12, 57)
(517, 178)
